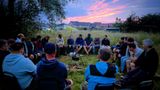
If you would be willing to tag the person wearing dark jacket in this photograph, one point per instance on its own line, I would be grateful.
(3, 52)
(105, 41)
(146, 66)
(51, 74)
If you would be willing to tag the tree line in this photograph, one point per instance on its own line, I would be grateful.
(146, 23)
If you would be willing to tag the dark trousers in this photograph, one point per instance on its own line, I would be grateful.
(135, 77)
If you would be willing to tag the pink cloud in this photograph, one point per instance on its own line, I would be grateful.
(100, 11)
(114, 1)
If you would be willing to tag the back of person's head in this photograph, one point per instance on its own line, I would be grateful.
(38, 37)
(132, 45)
(17, 46)
(47, 37)
(3, 42)
(50, 48)
(105, 53)
(106, 35)
(122, 38)
(130, 40)
(80, 35)
(33, 39)
(59, 35)
(89, 35)
(148, 43)
(11, 41)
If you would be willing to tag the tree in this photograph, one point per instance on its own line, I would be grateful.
(151, 23)
(54, 9)
(147, 23)
(19, 15)
(132, 23)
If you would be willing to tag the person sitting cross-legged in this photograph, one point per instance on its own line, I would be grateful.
(103, 72)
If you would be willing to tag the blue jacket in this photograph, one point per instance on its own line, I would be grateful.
(23, 68)
(80, 41)
(51, 74)
(70, 41)
(102, 67)
(88, 40)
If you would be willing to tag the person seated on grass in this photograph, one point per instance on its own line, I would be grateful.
(45, 40)
(60, 44)
(120, 48)
(138, 52)
(70, 44)
(52, 74)
(96, 45)
(146, 67)
(102, 72)
(79, 43)
(105, 41)
(130, 63)
(4, 51)
(20, 66)
(88, 44)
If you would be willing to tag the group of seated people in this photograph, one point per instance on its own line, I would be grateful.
(48, 73)
(86, 45)
(136, 63)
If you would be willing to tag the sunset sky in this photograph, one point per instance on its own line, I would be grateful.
(106, 11)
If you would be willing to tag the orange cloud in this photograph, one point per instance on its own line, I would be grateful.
(100, 11)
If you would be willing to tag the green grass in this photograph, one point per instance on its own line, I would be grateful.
(77, 75)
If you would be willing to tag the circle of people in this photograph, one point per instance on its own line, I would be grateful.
(35, 65)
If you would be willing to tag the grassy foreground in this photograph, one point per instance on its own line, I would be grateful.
(77, 75)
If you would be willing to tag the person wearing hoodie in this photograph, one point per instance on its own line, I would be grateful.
(22, 68)
(103, 72)
(51, 74)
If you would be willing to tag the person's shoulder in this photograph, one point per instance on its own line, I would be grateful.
(62, 65)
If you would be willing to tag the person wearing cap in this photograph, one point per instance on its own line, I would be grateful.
(102, 72)
(146, 66)
(51, 74)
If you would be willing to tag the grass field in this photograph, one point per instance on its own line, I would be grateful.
(77, 75)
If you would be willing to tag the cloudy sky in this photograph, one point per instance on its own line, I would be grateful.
(106, 11)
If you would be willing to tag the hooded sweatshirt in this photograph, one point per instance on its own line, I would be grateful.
(23, 68)
(51, 74)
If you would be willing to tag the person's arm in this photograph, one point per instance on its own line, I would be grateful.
(62, 41)
(87, 73)
(30, 67)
